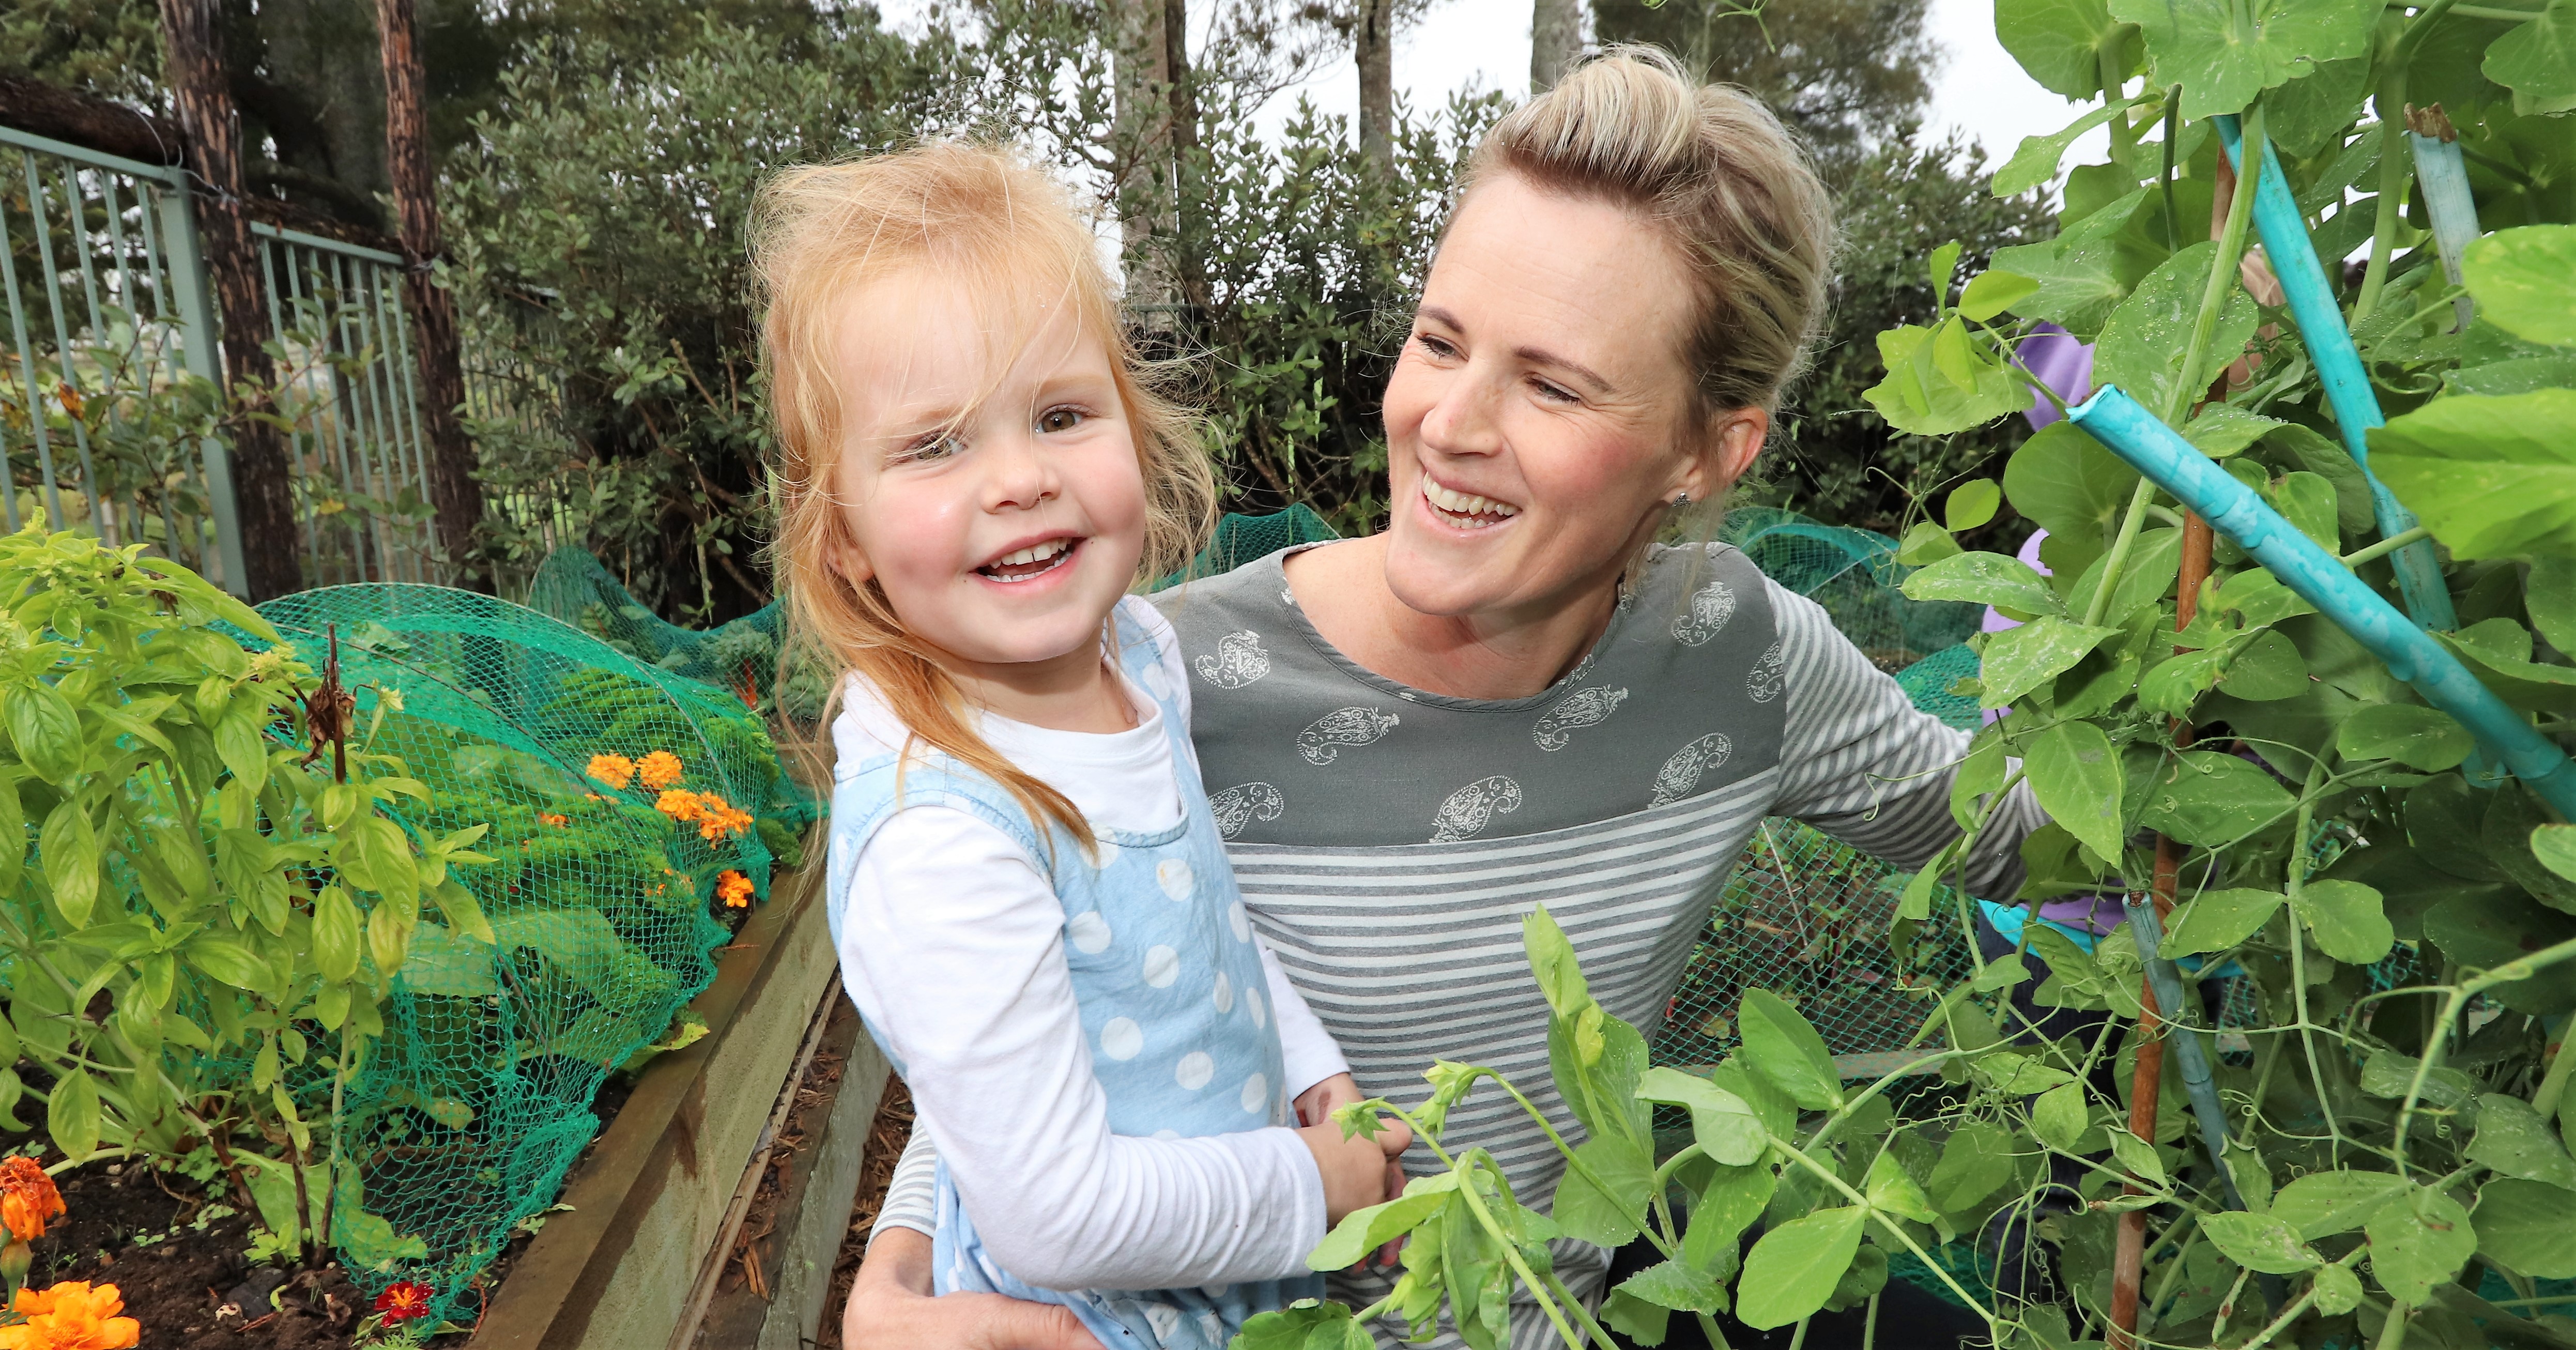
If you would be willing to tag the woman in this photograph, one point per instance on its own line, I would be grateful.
(1512, 696)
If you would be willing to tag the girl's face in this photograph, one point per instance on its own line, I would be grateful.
(1541, 416)
(1003, 517)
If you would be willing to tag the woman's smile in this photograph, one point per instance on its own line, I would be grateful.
(1464, 510)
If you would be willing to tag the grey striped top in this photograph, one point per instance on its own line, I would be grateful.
(1389, 841)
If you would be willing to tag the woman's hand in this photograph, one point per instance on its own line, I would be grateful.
(891, 1308)
(1315, 1107)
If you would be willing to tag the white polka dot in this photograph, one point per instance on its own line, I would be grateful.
(1122, 1038)
(1164, 1319)
(1173, 874)
(1256, 1093)
(1088, 932)
(1252, 1004)
(1210, 1325)
(1167, 1136)
(1240, 920)
(1195, 1069)
(1224, 993)
(1162, 966)
(1103, 853)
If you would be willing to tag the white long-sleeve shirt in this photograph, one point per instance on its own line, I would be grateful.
(951, 944)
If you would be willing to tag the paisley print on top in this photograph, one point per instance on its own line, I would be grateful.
(1763, 683)
(1322, 740)
(1472, 807)
(1245, 803)
(1710, 607)
(1681, 774)
(1587, 708)
(1238, 661)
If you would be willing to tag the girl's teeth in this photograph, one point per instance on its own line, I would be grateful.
(1466, 503)
(1038, 553)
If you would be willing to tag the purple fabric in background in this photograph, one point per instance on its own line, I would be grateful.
(2061, 362)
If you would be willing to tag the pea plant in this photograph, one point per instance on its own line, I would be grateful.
(2312, 1091)
(199, 921)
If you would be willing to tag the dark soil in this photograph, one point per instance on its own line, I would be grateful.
(752, 1260)
(887, 1135)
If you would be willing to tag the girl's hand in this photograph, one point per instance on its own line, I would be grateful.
(1315, 1107)
(1358, 1171)
(891, 1308)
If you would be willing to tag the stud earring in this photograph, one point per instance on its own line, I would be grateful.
(1681, 501)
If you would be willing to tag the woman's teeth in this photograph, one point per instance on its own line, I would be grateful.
(1035, 560)
(1469, 509)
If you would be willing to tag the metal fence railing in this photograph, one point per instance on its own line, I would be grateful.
(108, 407)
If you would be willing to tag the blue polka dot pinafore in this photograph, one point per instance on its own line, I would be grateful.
(1174, 1003)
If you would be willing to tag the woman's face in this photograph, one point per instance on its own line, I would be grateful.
(1541, 416)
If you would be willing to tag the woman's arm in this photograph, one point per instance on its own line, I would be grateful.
(951, 943)
(1860, 762)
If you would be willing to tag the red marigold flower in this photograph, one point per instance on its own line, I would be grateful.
(71, 1316)
(404, 1300)
(27, 1198)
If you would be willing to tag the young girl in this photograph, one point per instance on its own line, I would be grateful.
(1029, 895)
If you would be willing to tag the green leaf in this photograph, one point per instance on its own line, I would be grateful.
(2555, 848)
(2138, 1158)
(2211, 799)
(1993, 292)
(2537, 61)
(2075, 774)
(2056, 41)
(2058, 1118)
(1733, 1199)
(2524, 1225)
(2222, 429)
(45, 730)
(1551, 960)
(374, 855)
(2417, 737)
(1985, 579)
(1924, 543)
(370, 1241)
(2259, 1242)
(2308, 501)
(1722, 1124)
(1974, 502)
(1793, 1269)
(2261, 598)
(2216, 920)
(440, 962)
(1787, 1050)
(2520, 276)
(1365, 1230)
(71, 1116)
(2490, 476)
(2515, 1140)
(2196, 44)
(2083, 272)
(1303, 1325)
(1975, 1159)
(71, 855)
(2348, 919)
(2019, 660)
(2144, 341)
(1892, 1190)
(2338, 1290)
(1643, 1323)
(241, 742)
(1670, 1284)
(464, 913)
(2034, 163)
(2064, 481)
(229, 961)
(2419, 1240)
(335, 935)
(389, 932)
(2265, 670)
(2549, 595)
(1591, 1215)
(1939, 382)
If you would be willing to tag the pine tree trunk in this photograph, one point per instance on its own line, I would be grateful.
(1189, 223)
(1556, 39)
(1377, 80)
(1141, 57)
(263, 495)
(453, 493)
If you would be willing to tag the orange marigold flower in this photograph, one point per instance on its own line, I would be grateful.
(717, 820)
(614, 770)
(659, 769)
(680, 804)
(553, 819)
(733, 888)
(27, 1198)
(71, 1316)
(404, 1300)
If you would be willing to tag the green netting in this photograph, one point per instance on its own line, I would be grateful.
(1854, 574)
(479, 1096)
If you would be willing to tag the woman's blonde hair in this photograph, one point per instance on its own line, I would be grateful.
(980, 218)
(1716, 173)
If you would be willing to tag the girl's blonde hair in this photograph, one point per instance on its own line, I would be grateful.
(977, 217)
(1711, 169)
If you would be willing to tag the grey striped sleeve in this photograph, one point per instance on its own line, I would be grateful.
(1861, 763)
(908, 1201)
